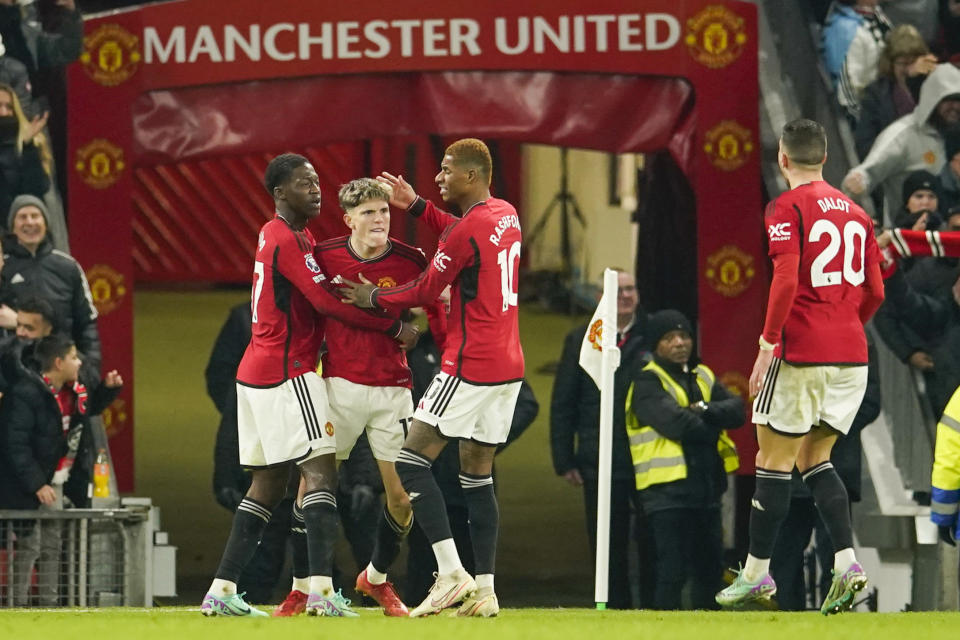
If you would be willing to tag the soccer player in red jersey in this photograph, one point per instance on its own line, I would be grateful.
(473, 396)
(811, 372)
(366, 374)
(281, 401)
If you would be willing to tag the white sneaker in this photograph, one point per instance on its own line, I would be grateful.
(480, 606)
(447, 591)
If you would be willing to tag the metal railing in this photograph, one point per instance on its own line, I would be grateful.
(77, 557)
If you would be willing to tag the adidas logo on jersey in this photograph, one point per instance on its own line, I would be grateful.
(756, 505)
(779, 232)
(413, 495)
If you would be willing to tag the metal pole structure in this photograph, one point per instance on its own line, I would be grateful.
(610, 360)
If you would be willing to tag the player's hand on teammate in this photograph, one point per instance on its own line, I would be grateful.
(402, 194)
(359, 294)
(408, 336)
(760, 367)
(113, 380)
(573, 477)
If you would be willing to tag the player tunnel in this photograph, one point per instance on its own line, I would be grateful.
(178, 106)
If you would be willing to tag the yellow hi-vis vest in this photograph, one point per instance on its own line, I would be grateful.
(945, 481)
(657, 459)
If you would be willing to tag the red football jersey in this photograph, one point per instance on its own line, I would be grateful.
(366, 357)
(835, 242)
(289, 289)
(479, 255)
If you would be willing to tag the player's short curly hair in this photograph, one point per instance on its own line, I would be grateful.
(280, 169)
(804, 141)
(41, 307)
(361, 190)
(474, 153)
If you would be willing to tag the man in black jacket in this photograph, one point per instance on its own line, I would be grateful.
(681, 455)
(575, 435)
(33, 267)
(44, 427)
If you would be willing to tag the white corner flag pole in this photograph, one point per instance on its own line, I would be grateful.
(610, 360)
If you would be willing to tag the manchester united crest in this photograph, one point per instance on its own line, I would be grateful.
(736, 382)
(595, 335)
(729, 271)
(329, 428)
(111, 55)
(715, 36)
(728, 145)
(386, 282)
(100, 163)
(115, 417)
(106, 287)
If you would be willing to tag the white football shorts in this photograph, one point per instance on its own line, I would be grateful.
(795, 399)
(284, 423)
(385, 413)
(463, 410)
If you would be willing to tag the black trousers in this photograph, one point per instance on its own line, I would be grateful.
(624, 505)
(688, 544)
(787, 561)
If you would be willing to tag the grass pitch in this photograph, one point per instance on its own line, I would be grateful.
(513, 624)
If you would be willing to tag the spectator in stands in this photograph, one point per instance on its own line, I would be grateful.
(42, 423)
(22, 169)
(33, 266)
(950, 174)
(904, 64)
(34, 319)
(843, 21)
(26, 41)
(860, 64)
(575, 436)
(8, 314)
(921, 203)
(786, 563)
(14, 73)
(915, 141)
(922, 14)
(677, 420)
(950, 29)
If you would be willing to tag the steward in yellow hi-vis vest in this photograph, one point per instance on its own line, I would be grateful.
(676, 423)
(945, 497)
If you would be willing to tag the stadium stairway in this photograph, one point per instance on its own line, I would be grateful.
(896, 541)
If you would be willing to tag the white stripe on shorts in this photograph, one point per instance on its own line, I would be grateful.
(769, 382)
(306, 408)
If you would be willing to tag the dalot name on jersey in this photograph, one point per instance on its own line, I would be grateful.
(827, 204)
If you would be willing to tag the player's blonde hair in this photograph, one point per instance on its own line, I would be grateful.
(361, 190)
(472, 153)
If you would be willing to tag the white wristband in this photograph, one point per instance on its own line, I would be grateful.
(766, 346)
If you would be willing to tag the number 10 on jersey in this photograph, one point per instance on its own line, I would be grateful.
(507, 258)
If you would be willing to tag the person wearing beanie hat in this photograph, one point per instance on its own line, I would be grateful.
(950, 174)
(921, 203)
(677, 417)
(33, 267)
